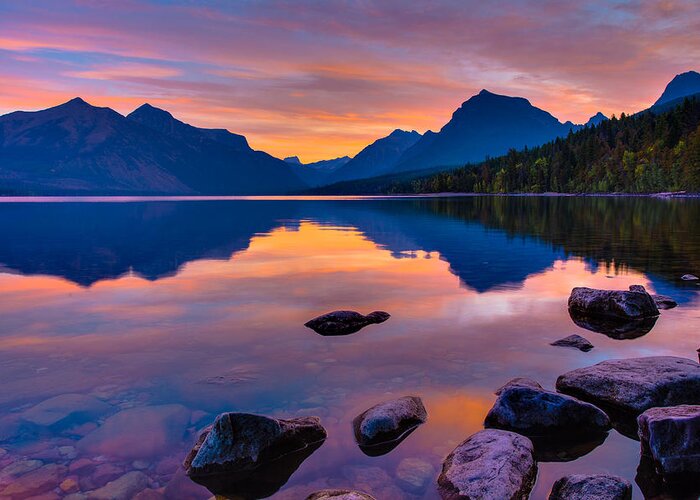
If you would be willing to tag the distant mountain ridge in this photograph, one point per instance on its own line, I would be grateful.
(77, 148)
(485, 125)
(316, 173)
(682, 85)
(377, 158)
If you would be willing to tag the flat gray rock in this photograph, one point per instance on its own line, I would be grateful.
(634, 303)
(345, 322)
(536, 412)
(489, 465)
(591, 486)
(339, 495)
(575, 341)
(388, 421)
(636, 384)
(671, 437)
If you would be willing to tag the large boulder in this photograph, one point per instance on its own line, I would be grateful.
(670, 436)
(388, 422)
(252, 455)
(339, 495)
(586, 487)
(345, 322)
(636, 384)
(489, 465)
(632, 304)
(540, 413)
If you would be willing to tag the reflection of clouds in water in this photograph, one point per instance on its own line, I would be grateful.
(229, 335)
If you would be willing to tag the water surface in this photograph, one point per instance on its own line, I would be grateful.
(167, 313)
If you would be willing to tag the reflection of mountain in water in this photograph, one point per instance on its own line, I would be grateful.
(488, 241)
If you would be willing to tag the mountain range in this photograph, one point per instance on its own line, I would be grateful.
(77, 148)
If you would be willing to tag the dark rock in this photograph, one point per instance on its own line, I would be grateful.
(344, 322)
(537, 412)
(653, 485)
(339, 495)
(615, 328)
(251, 455)
(671, 437)
(585, 487)
(575, 341)
(518, 382)
(630, 305)
(388, 423)
(636, 384)
(664, 301)
(689, 277)
(491, 464)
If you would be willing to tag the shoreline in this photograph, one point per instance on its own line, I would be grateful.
(327, 197)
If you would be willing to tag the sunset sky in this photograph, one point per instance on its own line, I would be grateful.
(323, 79)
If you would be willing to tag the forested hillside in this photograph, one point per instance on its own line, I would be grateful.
(641, 153)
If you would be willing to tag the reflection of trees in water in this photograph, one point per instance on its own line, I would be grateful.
(650, 235)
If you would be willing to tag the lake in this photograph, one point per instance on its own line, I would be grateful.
(126, 327)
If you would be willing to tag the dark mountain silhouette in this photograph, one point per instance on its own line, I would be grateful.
(486, 125)
(76, 148)
(596, 119)
(227, 165)
(377, 158)
(683, 85)
(79, 148)
(316, 173)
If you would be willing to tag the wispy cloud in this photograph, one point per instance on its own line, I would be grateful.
(322, 79)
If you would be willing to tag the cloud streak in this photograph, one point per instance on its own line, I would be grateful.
(322, 79)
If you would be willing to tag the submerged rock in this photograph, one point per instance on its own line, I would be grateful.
(252, 455)
(575, 341)
(664, 301)
(414, 474)
(671, 437)
(345, 322)
(636, 384)
(689, 277)
(388, 423)
(489, 465)
(66, 409)
(124, 488)
(339, 495)
(141, 432)
(585, 487)
(634, 303)
(538, 412)
(38, 481)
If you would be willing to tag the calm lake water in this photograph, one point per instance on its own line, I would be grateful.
(139, 322)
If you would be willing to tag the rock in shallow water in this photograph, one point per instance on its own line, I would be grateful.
(252, 455)
(633, 304)
(537, 412)
(66, 409)
(689, 277)
(636, 384)
(664, 301)
(671, 437)
(518, 382)
(489, 465)
(389, 421)
(345, 322)
(575, 341)
(124, 488)
(339, 495)
(593, 486)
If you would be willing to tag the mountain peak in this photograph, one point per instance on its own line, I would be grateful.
(596, 119)
(76, 102)
(293, 159)
(682, 85)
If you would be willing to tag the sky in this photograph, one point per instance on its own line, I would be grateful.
(321, 79)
